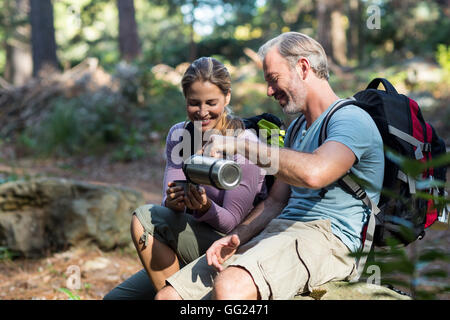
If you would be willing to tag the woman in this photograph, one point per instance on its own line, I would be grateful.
(168, 236)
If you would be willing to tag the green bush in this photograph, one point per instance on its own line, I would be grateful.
(77, 125)
(443, 58)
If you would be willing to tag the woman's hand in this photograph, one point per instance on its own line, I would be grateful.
(196, 199)
(175, 197)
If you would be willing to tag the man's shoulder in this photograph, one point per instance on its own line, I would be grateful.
(354, 118)
(353, 112)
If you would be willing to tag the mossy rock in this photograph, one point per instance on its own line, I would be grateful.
(341, 290)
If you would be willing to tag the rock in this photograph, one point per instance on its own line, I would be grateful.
(341, 290)
(48, 214)
(420, 70)
(96, 264)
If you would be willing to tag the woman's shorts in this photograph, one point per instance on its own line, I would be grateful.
(286, 258)
(188, 237)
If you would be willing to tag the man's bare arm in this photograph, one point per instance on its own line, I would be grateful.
(223, 248)
(313, 170)
(264, 212)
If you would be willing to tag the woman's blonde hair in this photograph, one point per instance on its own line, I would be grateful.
(211, 70)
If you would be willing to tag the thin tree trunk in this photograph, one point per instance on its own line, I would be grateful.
(338, 34)
(42, 35)
(323, 14)
(19, 61)
(361, 32)
(129, 44)
(192, 43)
(354, 28)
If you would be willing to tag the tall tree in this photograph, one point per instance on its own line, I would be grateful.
(129, 44)
(323, 13)
(355, 29)
(338, 33)
(331, 31)
(19, 65)
(42, 35)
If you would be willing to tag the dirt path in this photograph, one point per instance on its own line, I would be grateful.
(48, 278)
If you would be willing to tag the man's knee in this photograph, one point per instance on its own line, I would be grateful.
(234, 283)
(167, 293)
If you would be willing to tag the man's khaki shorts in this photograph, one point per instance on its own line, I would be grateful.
(286, 258)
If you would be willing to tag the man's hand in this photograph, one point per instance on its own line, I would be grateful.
(175, 197)
(218, 145)
(221, 250)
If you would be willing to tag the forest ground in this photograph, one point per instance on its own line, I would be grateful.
(100, 271)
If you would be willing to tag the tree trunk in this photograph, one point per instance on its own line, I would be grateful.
(192, 43)
(362, 29)
(19, 62)
(338, 34)
(323, 13)
(42, 35)
(129, 44)
(354, 28)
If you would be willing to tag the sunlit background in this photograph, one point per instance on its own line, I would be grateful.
(90, 88)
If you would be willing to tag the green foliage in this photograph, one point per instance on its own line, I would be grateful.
(7, 254)
(116, 121)
(8, 177)
(69, 293)
(443, 58)
(419, 272)
(76, 125)
(131, 148)
(166, 106)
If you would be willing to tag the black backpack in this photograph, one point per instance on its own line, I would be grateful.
(404, 131)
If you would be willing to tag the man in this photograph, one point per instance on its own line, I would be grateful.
(301, 236)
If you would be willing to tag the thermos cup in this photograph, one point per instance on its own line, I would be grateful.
(220, 173)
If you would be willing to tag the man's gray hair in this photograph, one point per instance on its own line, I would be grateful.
(293, 46)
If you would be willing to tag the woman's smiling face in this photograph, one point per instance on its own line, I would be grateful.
(205, 102)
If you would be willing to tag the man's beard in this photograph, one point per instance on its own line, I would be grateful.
(295, 104)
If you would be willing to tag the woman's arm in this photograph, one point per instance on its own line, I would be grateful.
(173, 170)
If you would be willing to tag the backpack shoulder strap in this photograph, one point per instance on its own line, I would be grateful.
(350, 185)
(334, 109)
(295, 128)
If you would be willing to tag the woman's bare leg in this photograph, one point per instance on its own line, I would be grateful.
(158, 259)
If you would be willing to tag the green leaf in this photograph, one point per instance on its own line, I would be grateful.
(433, 255)
(69, 294)
(435, 274)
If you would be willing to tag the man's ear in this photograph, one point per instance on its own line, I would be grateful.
(302, 68)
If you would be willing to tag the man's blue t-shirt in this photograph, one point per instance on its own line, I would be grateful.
(354, 128)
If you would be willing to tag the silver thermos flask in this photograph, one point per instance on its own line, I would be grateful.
(220, 173)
